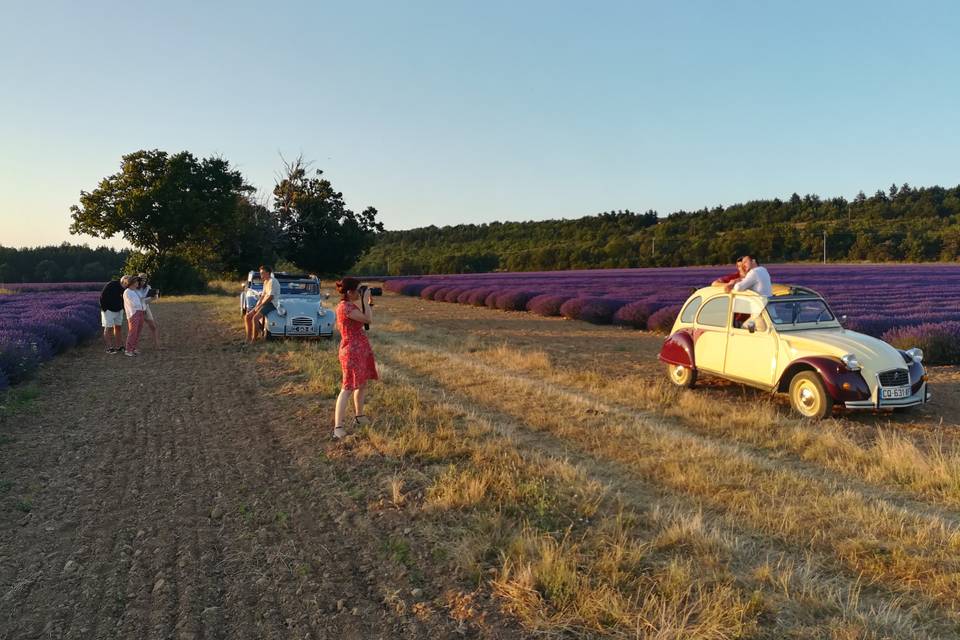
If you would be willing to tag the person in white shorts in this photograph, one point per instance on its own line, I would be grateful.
(111, 315)
(148, 294)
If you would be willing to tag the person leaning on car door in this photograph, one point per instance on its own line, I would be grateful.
(256, 319)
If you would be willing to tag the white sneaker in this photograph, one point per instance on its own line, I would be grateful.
(132, 354)
(339, 433)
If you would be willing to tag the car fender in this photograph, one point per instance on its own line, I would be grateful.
(842, 384)
(678, 349)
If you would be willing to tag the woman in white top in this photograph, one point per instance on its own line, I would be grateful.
(148, 319)
(133, 306)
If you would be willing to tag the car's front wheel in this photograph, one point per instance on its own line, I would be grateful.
(809, 397)
(682, 376)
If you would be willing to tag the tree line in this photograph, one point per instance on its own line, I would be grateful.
(193, 219)
(63, 263)
(901, 223)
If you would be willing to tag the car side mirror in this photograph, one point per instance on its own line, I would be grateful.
(843, 318)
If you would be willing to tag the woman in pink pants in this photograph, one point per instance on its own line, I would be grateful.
(133, 306)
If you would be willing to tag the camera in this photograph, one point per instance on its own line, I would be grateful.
(362, 290)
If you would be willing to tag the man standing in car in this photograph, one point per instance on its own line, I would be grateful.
(757, 278)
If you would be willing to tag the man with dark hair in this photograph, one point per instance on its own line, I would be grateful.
(255, 319)
(111, 316)
(757, 278)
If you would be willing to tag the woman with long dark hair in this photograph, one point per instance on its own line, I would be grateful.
(356, 355)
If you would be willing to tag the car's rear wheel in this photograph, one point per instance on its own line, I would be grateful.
(682, 376)
(809, 396)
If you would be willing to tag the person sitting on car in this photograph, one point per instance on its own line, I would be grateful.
(757, 279)
(723, 281)
(255, 320)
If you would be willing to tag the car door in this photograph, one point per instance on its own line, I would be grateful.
(710, 343)
(751, 357)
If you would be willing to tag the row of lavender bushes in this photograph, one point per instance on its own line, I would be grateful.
(36, 327)
(651, 315)
(49, 287)
(906, 305)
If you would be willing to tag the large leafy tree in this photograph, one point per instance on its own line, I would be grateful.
(162, 203)
(320, 233)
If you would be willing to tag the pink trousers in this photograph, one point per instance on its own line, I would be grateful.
(134, 324)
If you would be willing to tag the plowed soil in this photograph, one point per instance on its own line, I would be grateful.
(179, 495)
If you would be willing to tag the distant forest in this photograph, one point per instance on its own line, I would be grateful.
(63, 263)
(900, 224)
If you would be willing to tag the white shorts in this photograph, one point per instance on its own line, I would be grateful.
(111, 318)
(147, 313)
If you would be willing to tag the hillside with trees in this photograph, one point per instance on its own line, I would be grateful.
(900, 224)
(61, 263)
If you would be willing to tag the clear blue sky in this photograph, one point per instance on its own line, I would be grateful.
(449, 112)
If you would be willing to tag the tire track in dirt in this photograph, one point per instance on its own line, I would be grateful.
(126, 495)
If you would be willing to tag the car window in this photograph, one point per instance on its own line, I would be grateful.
(714, 312)
(799, 311)
(295, 288)
(690, 311)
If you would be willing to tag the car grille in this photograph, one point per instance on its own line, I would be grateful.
(894, 378)
(303, 321)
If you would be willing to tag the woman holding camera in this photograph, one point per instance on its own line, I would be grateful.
(356, 356)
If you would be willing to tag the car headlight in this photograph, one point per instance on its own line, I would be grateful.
(850, 362)
(916, 354)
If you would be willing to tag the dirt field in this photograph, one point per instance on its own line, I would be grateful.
(521, 476)
(181, 495)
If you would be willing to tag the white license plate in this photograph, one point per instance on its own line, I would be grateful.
(892, 393)
(301, 329)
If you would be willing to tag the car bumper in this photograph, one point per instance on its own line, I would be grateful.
(922, 396)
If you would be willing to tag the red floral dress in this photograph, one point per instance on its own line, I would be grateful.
(356, 356)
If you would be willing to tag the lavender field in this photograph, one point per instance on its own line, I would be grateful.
(908, 305)
(47, 287)
(34, 327)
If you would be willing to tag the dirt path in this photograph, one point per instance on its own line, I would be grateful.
(169, 497)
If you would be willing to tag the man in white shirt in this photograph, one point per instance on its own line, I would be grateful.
(757, 278)
(269, 300)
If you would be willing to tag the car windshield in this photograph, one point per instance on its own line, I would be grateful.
(256, 285)
(299, 288)
(799, 312)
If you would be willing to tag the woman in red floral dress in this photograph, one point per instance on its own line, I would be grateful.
(356, 356)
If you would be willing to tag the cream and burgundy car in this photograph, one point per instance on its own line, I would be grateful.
(790, 342)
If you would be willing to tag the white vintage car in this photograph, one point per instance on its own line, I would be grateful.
(300, 311)
(790, 342)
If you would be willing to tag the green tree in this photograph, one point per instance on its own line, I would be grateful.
(160, 202)
(320, 234)
(47, 271)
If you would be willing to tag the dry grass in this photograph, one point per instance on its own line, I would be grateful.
(928, 469)
(904, 551)
(510, 465)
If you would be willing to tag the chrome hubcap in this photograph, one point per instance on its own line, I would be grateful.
(807, 398)
(679, 373)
